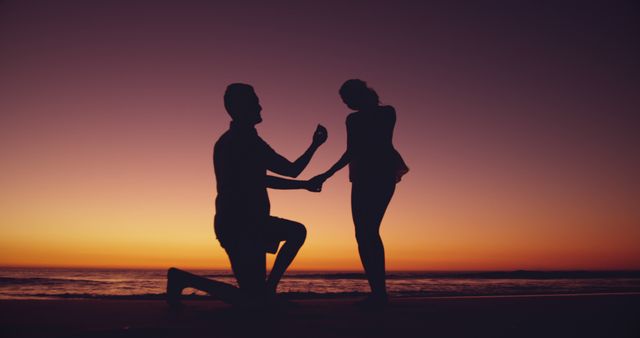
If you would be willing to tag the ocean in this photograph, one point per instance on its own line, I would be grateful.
(39, 283)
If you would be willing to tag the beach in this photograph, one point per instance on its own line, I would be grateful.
(582, 315)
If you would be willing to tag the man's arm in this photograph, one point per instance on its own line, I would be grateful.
(284, 183)
(280, 165)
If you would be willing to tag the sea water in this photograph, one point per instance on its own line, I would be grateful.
(30, 283)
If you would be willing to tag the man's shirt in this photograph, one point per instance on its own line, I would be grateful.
(241, 160)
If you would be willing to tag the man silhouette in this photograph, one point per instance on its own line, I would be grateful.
(243, 223)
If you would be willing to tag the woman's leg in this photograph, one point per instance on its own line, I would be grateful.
(368, 205)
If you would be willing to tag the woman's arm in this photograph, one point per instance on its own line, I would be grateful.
(344, 159)
(342, 162)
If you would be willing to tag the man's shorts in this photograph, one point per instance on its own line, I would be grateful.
(267, 236)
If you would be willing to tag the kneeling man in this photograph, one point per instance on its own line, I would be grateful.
(243, 223)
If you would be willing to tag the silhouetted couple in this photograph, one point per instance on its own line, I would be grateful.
(243, 223)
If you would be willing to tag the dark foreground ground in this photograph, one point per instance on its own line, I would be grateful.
(515, 316)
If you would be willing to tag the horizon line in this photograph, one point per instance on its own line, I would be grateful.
(317, 270)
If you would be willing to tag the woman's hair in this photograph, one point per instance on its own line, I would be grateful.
(356, 95)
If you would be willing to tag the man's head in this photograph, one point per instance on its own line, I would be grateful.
(242, 104)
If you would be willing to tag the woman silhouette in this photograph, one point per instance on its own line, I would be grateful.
(374, 169)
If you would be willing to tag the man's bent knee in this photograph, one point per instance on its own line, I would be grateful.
(299, 234)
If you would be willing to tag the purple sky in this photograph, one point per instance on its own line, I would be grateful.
(519, 121)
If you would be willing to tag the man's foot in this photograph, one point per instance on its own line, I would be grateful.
(174, 288)
(373, 302)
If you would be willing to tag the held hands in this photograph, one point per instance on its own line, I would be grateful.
(315, 183)
(313, 186)
(320, 135)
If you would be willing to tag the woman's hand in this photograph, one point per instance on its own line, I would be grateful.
(320, 135)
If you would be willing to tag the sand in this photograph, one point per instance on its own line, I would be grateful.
(513, 316)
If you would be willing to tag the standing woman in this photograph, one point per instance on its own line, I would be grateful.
(374, 169)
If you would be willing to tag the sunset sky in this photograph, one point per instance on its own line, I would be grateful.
(519, 121)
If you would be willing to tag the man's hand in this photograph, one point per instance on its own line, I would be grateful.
(320, 135)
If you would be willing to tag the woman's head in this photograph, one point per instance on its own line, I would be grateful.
(357, 96)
